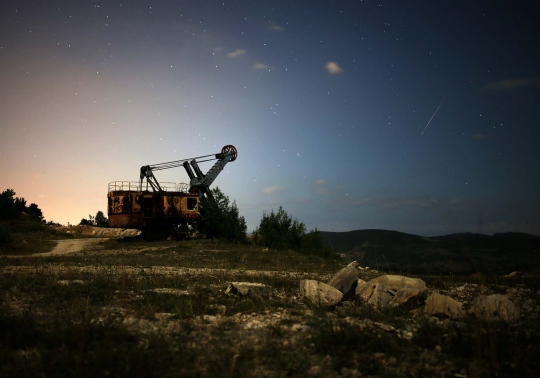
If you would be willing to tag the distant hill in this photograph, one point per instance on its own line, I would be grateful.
(516, 235)
(466, 236)
(461, 236)
(354, 240)
(462, 253)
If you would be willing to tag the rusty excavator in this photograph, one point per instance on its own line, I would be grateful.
(148, 204)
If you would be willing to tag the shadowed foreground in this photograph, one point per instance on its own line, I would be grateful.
(160, 309)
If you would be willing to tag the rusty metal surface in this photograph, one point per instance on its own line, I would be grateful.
(126, 221)
(133, 209)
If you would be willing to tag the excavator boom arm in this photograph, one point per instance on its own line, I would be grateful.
(198, 181)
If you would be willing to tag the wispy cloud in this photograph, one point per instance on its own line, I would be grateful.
(236, 53)
(333, 68)
(273, 189)
(513, 83)
(261, 66)
(276, 28)
(323, 191)
(321, 182)
(362, 202)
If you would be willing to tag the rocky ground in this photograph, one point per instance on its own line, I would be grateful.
(201, 308)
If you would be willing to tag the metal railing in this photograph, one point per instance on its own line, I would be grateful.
(135, 186)
(123, 186)
(182, 187)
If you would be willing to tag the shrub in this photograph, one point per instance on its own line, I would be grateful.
(280, 231)
(86, 222)
(100, 220)
(91, 221)
(221, 219)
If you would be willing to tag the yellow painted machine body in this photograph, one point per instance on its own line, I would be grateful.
(132, 208)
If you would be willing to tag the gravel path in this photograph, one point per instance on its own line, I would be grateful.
(72, 246)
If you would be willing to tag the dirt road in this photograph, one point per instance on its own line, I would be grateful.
(72, 246)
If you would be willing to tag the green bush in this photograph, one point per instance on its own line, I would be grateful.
(280, 231)
(221, 219)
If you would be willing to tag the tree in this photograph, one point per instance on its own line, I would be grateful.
(221, 219)
(8, 208)
(20, 204)
(34, 212)
(12, 207)
(280, 231)
(312, 244)
(101, 219)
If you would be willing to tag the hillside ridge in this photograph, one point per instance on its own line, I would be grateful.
(459, 253)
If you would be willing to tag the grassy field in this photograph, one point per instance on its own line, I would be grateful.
(136, 308)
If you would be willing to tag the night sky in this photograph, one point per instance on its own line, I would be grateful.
(420, 117)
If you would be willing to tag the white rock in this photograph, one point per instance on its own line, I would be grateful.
(248, 289)
(495, 307)
(408, 296)
(437, 304)
(376, 294)
(360, 285)
(345, 278)
(320, 293)
(395, 282)
(391, 290)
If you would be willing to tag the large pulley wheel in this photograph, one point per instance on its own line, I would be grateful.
(230, 149)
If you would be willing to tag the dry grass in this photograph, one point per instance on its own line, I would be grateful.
(135, 308)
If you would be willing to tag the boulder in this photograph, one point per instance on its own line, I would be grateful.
(376, 294)
(248, 289)
(320, 293)
(360, 286)
(409, 297)
(441, 305)
(392, 290)
(395, 282)
(495, 307)
(345, 278)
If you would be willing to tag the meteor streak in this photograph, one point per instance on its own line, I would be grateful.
(435, 113)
